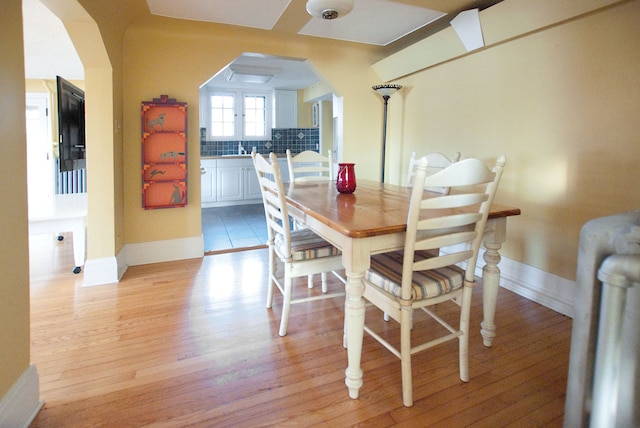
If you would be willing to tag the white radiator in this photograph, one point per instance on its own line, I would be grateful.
(71, 182)
(603, 389)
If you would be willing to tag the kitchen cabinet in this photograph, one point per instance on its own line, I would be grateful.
(251, 184)
(230, 181)
(286, 109)
(284, 169)
(208, 178)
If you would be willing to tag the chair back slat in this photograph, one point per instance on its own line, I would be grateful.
(445, 260)
(454, 201)
(436, 162)
(445, 240)
(309, 166)
(448, 221)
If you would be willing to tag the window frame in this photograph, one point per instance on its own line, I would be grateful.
(239, 114)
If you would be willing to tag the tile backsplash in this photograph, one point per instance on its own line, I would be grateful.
(295, 139)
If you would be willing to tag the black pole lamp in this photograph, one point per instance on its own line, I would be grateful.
(385, 90)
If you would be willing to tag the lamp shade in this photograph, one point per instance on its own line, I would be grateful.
(329, 9)
(386, 89)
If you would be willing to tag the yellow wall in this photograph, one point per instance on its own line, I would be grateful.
(557, 101)
(561, 102)
(304, 112)
(14, 251)
(173, 57)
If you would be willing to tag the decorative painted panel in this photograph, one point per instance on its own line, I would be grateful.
(164, 153)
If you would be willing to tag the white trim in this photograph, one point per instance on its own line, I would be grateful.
(542, 287)
(101, 271)
(109, 270)
(216, 204)
(21, 404)
(164, 251)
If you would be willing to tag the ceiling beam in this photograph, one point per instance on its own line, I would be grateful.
(293, 18)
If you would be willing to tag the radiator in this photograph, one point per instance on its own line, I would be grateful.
(603, 387)
(71, 182)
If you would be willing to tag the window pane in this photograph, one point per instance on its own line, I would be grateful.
(222, 115)
(255, 115)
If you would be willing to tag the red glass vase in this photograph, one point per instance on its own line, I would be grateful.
(346, 181)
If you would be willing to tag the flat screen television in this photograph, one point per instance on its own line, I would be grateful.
(71, 132)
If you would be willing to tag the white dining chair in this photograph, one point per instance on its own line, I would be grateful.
(418, 277)
(309, 166)
(301, 252)
(435, 162)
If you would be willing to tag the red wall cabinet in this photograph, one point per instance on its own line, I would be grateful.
(164, 153)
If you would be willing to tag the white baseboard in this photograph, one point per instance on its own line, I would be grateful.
(164, 251)
(101, 271)
(21, 404)
(537, 285)
(542, 287)
(109, 270)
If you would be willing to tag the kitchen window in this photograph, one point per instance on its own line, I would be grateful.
(239, 115)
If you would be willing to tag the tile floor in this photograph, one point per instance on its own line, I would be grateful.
(239, 226)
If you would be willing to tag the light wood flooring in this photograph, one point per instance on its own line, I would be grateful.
(190, 343)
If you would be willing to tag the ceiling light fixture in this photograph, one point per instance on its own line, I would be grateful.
(250, 74)
(329, 9)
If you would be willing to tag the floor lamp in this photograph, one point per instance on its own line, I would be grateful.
(385, 90)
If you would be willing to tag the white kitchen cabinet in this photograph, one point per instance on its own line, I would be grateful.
(286, 109)
(230, 180)
(251, 184)
(208, 180)
(233, 181)
(284, 169)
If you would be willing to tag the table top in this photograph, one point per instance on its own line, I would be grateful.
(58, 207)
(373, 209)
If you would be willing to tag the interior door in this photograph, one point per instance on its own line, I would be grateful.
(40, 171)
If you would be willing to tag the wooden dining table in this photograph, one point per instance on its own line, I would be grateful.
(373, 220)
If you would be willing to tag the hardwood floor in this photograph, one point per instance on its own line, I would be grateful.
(190, 343)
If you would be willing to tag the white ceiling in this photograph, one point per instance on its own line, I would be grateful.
(50, 52)
(377, 22)
(47, 46)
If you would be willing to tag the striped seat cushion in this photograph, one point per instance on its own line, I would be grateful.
(386, 273)
(305, 245)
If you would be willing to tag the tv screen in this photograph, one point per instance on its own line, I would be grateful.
(71, 135)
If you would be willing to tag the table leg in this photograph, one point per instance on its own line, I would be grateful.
(354, 322)
(79, 240)
(491, 277)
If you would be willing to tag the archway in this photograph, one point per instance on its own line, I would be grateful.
(101, 264)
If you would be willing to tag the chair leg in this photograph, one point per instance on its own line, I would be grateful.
(286, 302)
(272, 272)
(464, 328)
(405, 352)
(323, 275)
